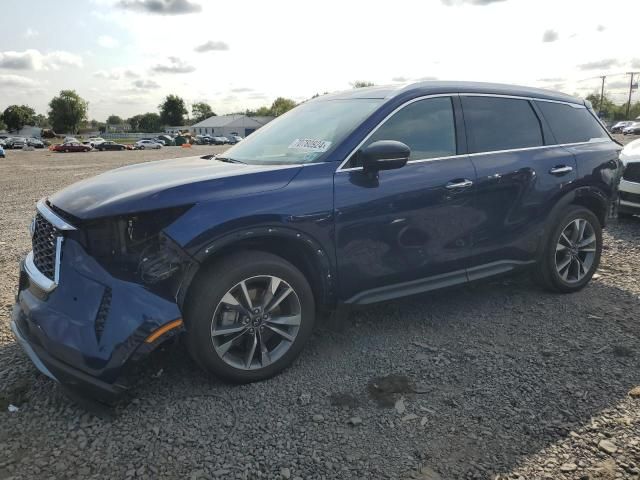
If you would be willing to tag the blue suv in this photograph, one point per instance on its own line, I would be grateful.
(348, 199)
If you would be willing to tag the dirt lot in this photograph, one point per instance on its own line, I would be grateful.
(494, 380)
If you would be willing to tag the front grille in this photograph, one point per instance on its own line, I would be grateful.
(630, 197)
(44, 240)
(632, 172)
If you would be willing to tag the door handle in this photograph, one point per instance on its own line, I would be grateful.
(560, 170)
(454, 184)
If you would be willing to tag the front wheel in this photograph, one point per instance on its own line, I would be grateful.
(248, 316)
(572, 251)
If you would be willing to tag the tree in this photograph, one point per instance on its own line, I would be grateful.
(3, 126)
(41, 121)
(201, 111)
(281, 105)
(134, 122)
(149, 123)
(362, 84)
(114, 120)
(67, 111)
(17, 116)
(172, 110)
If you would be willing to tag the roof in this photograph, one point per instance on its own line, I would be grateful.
(232, 121)
(435, 87)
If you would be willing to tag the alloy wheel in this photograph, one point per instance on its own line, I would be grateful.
(256, 322)
(575, 250)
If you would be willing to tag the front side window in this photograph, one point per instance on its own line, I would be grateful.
(571, 124)
(304, 134)
(495, 124)
(427, 127)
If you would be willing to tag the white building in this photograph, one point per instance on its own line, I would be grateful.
(176, 130)
(225, 125)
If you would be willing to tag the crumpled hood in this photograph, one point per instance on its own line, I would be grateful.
(167, 183)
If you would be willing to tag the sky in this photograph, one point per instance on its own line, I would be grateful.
(125, 56)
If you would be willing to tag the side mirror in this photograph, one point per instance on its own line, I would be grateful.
(385, 155)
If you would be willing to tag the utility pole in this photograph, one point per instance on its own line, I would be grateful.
(603, 77)
(630, 91)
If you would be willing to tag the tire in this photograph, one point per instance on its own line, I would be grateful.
(551, 271)
(141, 147)
(206, 315)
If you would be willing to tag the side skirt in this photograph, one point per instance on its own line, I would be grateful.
(435, 282)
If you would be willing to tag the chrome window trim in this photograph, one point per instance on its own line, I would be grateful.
(51, 217)
(424, 97)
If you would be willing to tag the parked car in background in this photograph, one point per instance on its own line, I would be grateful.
(94, 141)
(217, 140)
(110, 146)
(2, 154)
(35, 143)
(408, 189)
(165, 140)
(15, 142)
(224, 140)
(629, 188)
(617, 127)
(70, 139)
(233, 139)
(632, 129)
(71, 147)
(144, 144)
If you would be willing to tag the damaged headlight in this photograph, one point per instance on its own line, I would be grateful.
(133, 247)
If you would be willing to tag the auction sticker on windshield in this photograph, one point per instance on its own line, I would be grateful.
(310, 145)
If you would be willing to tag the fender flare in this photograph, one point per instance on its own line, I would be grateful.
(323, 260)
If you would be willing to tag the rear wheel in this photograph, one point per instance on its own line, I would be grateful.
(141, 147)
(249, 316)
(572, 251)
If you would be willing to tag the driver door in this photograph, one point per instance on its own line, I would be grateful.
(407, 230)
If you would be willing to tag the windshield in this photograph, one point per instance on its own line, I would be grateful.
(304, 134)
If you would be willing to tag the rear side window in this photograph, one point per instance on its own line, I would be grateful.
(570, 124)
(427, 127)
(495, 124)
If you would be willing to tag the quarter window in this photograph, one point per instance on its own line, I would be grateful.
(570, 124)
(427, 127)
(495, 124)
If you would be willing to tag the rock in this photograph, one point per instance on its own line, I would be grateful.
(427, 473)
(608, 446)
(635, 392)
(424, 421)
(318, 418)
(354, 421)
(400, 407)
(568, 467)
(411, 416)
(285, 472)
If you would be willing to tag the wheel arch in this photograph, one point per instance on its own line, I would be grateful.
(297, 247)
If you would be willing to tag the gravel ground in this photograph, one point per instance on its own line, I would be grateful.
(494, 380)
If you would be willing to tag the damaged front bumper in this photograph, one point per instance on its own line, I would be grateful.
(92, 326)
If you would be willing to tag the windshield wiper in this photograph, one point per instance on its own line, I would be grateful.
(228, 160)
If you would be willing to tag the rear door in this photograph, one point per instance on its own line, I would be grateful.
(407, 230)
(520, 175)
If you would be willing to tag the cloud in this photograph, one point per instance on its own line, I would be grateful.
(450, 3)
(211, 46)
(34, 60)
(30, 33)
(601, 28)
(617, 84)
(176, 65)
(107, 42)
(599, 64)
(549, 36)
(161, 7)
(17, 81)
(552, 80)
(145, 84)
(107, 74)
(426, 79)
(635, 63)
(241, 89)
(400, 79)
